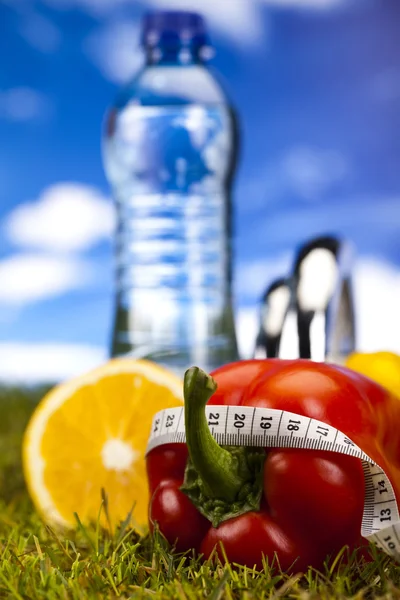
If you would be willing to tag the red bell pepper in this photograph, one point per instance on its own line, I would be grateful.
(301, 505)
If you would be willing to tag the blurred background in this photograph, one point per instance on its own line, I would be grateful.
(316, 84)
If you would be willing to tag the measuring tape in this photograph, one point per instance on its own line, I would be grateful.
(271, 428)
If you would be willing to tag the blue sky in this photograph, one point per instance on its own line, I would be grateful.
(317, 87)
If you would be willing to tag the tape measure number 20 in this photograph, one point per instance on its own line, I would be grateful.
(271, 428)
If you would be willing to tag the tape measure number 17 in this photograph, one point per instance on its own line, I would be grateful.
(271, 428)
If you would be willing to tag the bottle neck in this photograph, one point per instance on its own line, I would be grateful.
(174, 56)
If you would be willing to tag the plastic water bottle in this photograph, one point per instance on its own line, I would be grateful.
(169, 152)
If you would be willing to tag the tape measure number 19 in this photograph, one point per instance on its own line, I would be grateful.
(270, 428)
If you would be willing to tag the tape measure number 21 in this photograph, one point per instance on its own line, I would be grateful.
(271, 428)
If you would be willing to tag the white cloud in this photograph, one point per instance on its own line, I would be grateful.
(66, 217)
(115, 50)
(240, 19)
(247, 325)
(26, 278)
(376, 296)
(24, 104)
(377, 299)
(40, 33)
(310, 172)
(253, 278)
(251, 281)
(46, 363)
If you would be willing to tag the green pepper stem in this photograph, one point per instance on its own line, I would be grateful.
(216, 466)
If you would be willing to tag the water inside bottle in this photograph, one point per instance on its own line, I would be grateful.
(170, 168)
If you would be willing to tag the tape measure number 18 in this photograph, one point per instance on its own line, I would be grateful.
(271, 428)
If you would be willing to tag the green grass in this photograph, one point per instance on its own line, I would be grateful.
(37, 562)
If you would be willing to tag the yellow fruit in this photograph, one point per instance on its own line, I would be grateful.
(382, 367)
(91, 433)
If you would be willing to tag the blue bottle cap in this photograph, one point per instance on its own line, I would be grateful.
(171, 29)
